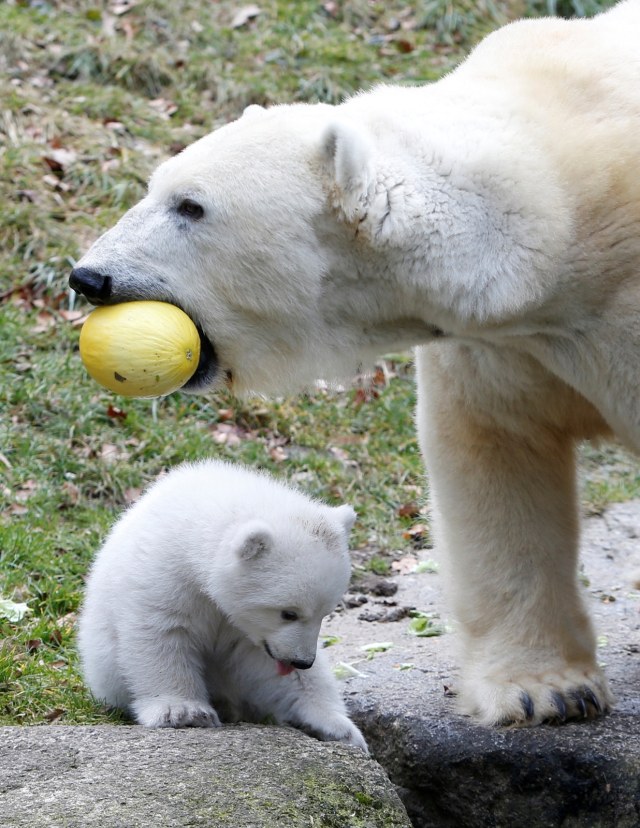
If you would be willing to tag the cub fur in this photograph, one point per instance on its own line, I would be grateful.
(206, 600)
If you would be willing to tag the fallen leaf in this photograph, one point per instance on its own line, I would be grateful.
(132, 494)
(13, 611)
(405, 566)
(54, 182)
(59, 159)
(119, 7)
(71, 492)
(404, 46)
(409, 510)
(416, 532)
(278, 454)
(67, 621)
(427, 566)
(26, 490)
(376, 647)
(110, 453)
(45, 321)
(342, 670)
(244, 15)
(164, 107)
(115, 412)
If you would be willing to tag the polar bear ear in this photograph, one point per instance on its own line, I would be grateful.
(252, 111)
(253, 539)
(346, 515)
(349, 152)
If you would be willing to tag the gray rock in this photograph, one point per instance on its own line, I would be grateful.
(451, 772)
(237, 777)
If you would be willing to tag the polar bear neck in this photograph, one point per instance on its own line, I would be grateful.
(453, 224)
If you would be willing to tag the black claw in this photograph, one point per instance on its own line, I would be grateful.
(576, 695)
(593, 700)
(527, 705)
(560, 705)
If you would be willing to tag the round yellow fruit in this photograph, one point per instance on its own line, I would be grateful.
(140, 349)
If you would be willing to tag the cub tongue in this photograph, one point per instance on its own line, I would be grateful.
(284, 669)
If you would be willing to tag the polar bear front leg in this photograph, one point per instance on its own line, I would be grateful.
(164, 674)
(310, 700)
(506, 517)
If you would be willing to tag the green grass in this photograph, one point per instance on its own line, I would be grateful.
(118, 93)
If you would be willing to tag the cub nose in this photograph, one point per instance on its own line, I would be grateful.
(91, 283)
(299, 664)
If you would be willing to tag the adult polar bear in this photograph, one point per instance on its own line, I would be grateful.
(492, 217)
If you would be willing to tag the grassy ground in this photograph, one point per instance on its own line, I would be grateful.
(92, 95)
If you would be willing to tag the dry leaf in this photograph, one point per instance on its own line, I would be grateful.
(405, 566)
(164, 107)
(132, 494)
(72, 315)
(409, 510)
(116, 413)
(110, 453)
(244, 15)
(58, 159)
(120, 7)
(71, 492)
(26, 490)
(226, 434)
(278, 454)
(45, 321)
(416, 531)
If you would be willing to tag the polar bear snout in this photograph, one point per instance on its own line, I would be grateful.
(296, 663)
(92, 284)
(299, 664)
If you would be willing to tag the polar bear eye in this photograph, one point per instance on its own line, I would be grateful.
(289, 615)
(190, 209)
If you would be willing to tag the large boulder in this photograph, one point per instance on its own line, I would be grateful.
(233, 777)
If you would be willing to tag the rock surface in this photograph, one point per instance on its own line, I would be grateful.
(452, 772)
(235, 777)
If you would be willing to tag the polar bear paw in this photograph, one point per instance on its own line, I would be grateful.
(532, 699)
(171, 711)
(338, 728)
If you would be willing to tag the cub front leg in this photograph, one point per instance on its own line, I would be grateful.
(311, 701)
(503, 484)
(164, 673)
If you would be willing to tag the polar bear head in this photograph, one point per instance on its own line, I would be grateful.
(276, 582)
(256, 232)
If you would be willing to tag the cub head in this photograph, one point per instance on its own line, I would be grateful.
(280, 580)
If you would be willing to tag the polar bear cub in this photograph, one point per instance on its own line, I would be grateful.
(205, 604)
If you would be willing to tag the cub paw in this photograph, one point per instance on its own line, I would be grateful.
(337, 729)
(169, 711)
(532, 699)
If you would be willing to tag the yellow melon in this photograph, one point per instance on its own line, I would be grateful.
(140, 349)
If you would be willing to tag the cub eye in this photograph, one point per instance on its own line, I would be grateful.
(289, 615)
(190, 209)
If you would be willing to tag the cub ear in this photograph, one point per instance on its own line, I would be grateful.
(346, 515)
(252, 111)
(254, 538)
(348, 151)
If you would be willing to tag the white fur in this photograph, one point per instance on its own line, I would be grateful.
(492, 217)
(181, 623)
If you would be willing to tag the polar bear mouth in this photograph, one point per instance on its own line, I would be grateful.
(208, 371)
(283, 667)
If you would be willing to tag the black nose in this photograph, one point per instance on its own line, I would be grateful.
(94, 285)
(302, 665)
